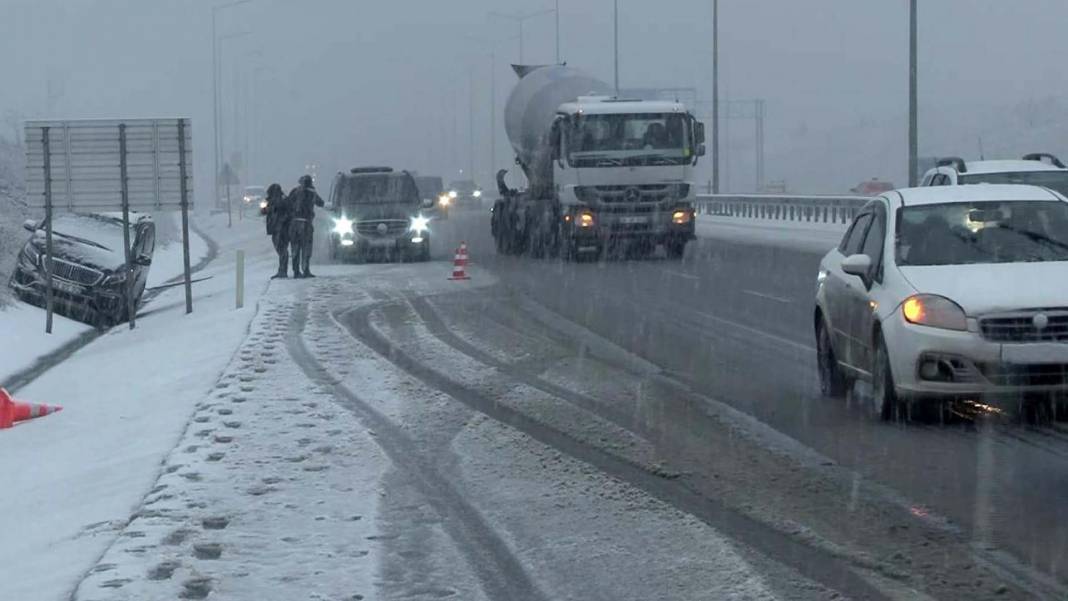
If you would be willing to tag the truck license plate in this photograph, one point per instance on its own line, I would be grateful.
(633, 220)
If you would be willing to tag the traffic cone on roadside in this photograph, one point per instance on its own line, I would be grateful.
(459, 265)
(12, 411)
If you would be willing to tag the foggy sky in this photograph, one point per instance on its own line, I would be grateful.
(348, 82)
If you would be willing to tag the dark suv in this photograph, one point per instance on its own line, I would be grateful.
(90, 278)
(378, 211)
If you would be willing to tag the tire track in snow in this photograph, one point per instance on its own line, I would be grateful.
(832, 572)
(499, 571)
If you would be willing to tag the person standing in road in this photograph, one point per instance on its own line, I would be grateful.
(302, 201)
(278, 218)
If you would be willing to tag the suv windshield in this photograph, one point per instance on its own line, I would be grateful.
(376, 189)
(635, 139)
(982, 232)
(1055, 180)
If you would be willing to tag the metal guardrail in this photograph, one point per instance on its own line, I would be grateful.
(783, 207)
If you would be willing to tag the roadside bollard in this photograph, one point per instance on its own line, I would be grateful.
(240, 288)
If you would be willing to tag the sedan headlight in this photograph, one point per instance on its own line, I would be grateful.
(420, 224)
(935, 312)
(343, 226)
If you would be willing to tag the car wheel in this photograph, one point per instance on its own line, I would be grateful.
(884, 394)
(833, 383)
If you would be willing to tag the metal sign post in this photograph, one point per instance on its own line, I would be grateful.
(107, 165)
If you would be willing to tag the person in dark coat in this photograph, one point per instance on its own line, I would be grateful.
(302, 201)
(278, 219)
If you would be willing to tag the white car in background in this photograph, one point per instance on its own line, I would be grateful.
(1037, 169)
(957, 292)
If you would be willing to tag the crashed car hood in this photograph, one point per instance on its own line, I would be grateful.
(88, 240)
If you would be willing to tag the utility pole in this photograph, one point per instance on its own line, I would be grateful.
(493, 113)
(715, 96)
(914, 144)
(615, 39)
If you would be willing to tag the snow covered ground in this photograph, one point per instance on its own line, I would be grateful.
(26, 323)
(72, 481)
(815, 237)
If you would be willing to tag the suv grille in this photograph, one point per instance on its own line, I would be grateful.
(1023, 327)
(394, 227)
(72, 272)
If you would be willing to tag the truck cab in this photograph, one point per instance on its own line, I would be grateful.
(623, 172)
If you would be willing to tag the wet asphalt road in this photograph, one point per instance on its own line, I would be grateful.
(734, 321)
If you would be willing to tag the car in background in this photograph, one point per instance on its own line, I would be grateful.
(91, 280)
(872, 187)
(256, 196)
(465, 194)
(432, 188)
(1036, 169)
(377, 211)
(948, 293)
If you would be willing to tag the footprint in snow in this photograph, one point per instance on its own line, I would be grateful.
(207, 550)
(197, 588)
(214, 457)
(163, 571)
(215, 523)
(116, 583)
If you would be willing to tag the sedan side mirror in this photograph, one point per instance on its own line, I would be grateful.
(858, 265)
(29, 225)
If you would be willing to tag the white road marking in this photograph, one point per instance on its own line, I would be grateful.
(777, 299)
(756, 332)
(688, 276)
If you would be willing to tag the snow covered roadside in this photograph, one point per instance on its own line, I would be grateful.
(71, 481)
(25, 322)
(813, 237)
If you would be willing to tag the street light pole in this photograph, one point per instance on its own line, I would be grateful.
(914, 158)
(521, 18)
(715, 96)
(557, 11)
(216, 100)
(229, 204)
(616, 43)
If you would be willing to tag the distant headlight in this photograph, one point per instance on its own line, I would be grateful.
(263, 204)
(453, 194)
(477, 194)
(420, 224)
(444, 200)
(343, 225)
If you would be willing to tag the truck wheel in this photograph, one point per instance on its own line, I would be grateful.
(676, 249)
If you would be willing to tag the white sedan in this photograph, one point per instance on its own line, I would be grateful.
(948, 292)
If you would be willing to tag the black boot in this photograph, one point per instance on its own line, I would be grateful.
(280, 276)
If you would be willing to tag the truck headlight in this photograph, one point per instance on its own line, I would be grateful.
(420, 224)
(343, 226)
(585, 220)
(444, 200)
(681, 217)
(263, 204)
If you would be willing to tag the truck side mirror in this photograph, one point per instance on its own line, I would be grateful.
(554, 140)
(699, 134)
(701, 150)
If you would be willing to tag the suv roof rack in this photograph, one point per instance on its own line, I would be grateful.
(1044, 157)
(955, 162)
(357, 170)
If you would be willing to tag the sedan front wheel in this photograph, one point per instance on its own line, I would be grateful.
(884, 393)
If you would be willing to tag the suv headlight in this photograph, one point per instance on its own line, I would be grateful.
(343, 226)
(420, 224)
(115, 278)
(935, 312)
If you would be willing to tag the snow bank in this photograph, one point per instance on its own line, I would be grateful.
(72, 480)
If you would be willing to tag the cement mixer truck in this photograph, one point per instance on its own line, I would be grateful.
(602, 172)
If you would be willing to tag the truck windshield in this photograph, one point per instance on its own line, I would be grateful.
(376, 189)
(1055, 180)
(628, 139)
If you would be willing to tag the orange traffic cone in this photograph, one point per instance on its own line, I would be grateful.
(459, 265)
(12, 411)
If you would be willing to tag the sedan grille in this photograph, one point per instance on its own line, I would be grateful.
(72, 272)
(394, 227)
(1029, 326)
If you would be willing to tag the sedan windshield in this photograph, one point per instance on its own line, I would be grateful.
(638, 139)
(982, 232)
(1056, 180)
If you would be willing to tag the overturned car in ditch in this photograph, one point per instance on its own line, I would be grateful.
(91, 279)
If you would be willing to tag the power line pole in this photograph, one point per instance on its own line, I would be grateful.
(616, 42)
(715, 96)
(914, 143)
(557, 11)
